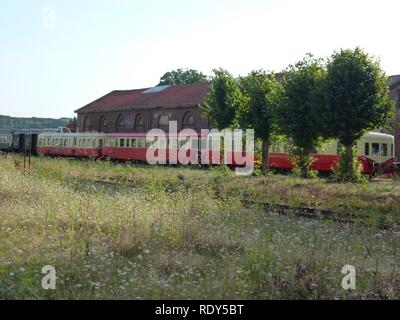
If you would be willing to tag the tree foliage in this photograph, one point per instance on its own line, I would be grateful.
(223, 100)
(262, 95)
(183, 76)
(303, 113)
(358, 100)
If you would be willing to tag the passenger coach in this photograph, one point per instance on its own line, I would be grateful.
(375, 150)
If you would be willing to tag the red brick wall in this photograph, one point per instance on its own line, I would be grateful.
(93, 121)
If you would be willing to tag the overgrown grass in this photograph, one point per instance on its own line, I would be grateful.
(116, 231)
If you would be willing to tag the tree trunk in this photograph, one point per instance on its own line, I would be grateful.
(306, 162)
(265, 156)
(349, 154)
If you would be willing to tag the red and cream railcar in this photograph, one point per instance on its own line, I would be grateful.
(71, 144)
(134, 147)
(375, 152)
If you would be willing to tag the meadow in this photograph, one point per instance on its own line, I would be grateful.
(122, 231)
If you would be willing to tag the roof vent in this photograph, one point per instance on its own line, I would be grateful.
(156, 89)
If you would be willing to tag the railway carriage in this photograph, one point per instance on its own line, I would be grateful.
(6, 140)
(134, 146)
(375, 152)
(70, 144)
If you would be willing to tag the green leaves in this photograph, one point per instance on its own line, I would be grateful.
(303, 111)
(180, 76)
(357, 94)
(262, 95)
(342, 98)
(223, 100)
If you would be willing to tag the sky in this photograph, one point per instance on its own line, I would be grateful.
(57, 56)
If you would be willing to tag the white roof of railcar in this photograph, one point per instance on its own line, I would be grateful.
(71, 135)
(378, 135)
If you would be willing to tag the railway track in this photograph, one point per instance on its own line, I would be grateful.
(344, 217)
(317, 213)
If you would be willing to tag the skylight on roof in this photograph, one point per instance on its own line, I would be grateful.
(156, 89)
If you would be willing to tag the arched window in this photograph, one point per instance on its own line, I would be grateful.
(139, 123)
(86, 124)
(120, 122)
(188, 121)
(102, 122)
(164, 120)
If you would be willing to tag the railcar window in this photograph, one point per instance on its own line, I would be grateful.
(121, 143)
(128, 143)
(141, 143)
(366, 149)
(134, 143)
(375, 149)
(384, 150)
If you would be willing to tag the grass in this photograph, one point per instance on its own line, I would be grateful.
(116, 231)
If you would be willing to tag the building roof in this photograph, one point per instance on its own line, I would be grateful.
(169, 96)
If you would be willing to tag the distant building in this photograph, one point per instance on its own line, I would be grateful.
(144, 109)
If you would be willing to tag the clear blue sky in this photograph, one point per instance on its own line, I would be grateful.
(56, 56)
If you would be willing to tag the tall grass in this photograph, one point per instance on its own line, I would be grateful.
(127, 232)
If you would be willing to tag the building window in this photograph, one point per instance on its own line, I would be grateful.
(87, 124)
(139, 121)
(120, 123)
(103, 122)
(164, 120)
(188, 121)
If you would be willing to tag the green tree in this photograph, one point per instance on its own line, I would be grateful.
(303, 110)
(358, 101)
(183, 76)
(262, 94)
(223, 100)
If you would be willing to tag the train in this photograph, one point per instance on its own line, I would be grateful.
(24, 140)
(375, 150)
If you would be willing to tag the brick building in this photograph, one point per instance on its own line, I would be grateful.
(144, 109)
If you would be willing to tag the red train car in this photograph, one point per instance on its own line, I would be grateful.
(70, 144)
